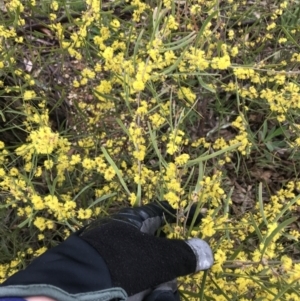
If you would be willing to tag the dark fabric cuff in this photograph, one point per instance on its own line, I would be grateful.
(73, 266)
(12, 299)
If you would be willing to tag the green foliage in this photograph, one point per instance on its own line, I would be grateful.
(121, 103)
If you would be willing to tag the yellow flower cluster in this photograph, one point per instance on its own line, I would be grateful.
(157, 120)
(43, 140)
(142, 76)
(176, 139)
(28, 95)
(211, 191)
(173, 185)
(136, 136)
(182, 159)
(221, 63)
(247, 73)
(242, 136)
(282, 101)
(15, 5)
(139, 8)
(186, 93)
